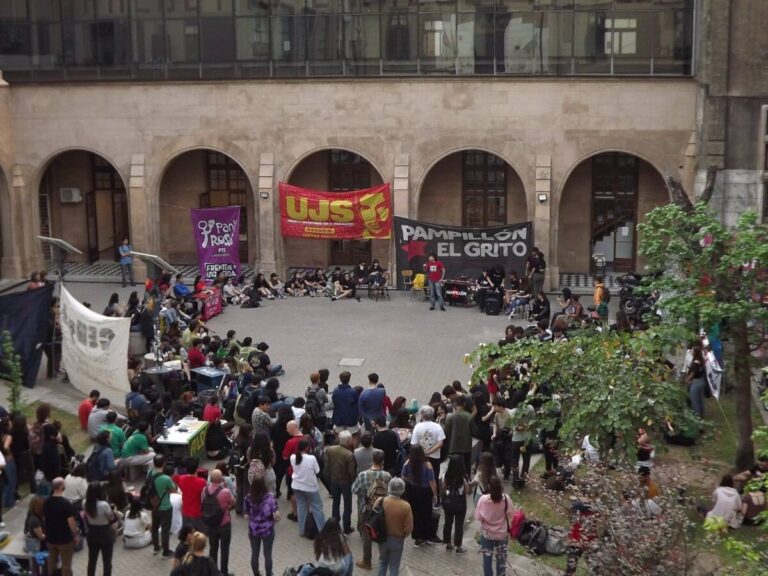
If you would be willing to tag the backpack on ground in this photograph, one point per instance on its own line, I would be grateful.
(533, 537)
(606, 295)
(375, 524)
(516, 526)
(555, 542)
(213, 513)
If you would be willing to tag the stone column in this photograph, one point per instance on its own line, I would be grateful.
(139, 215)
(400, 202)
(268, 209)
(541, 215)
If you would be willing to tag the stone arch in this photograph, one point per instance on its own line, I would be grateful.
(98, 218)
(574, 211)
(312, 169)
(516, 189)
(179, 233)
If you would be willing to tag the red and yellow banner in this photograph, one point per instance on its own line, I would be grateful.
(306, 213)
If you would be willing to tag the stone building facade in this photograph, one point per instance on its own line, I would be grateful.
(578, 144)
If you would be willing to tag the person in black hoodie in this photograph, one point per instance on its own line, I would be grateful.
(540, 309)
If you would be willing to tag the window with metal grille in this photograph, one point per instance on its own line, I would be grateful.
(484, 189)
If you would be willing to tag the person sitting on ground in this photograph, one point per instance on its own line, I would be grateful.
(116, 434)
(261, 285)
(212, 412)
(298, 408)
(345, 288)
(295, 285)
(98, 417)
(86, 407)
(136, 527)
(276, 287)
(331, 549)
(726, 503)
(265, 363)
(217, 444)
(540, 309)
(101, 461)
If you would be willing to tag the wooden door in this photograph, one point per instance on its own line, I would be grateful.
(92, 227)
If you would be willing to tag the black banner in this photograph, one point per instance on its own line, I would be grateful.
(465, 252)
(25, 316)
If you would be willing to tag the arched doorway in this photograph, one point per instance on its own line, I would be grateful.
(603, 199)
(83, 200)
(334, 170)
(472, 188)
(203, 178)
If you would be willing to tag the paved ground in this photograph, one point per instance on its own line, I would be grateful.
(415, 352)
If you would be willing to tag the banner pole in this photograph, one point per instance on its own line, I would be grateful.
(727, 423)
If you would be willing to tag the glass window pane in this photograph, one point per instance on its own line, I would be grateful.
(218, 39)
(14, 45)
(288, 7)
(361, 6)
(589, 43)
(112, 42)
(631, 4)
(80, 44)
(289, 45)
(514, 38)
(475, 5)
(553, 43)
(400, 5)
(148, 42)
(324, 43)
(437, 6)
(473, 211)
(673, 38)
(180, 8)
(631, 42)
(497, 210)
(182, 40)
(592, 3)
(438, 43)
(45, 9)
(554, 4)
(46, 45)
(514, 5)
(216, 7)
(151, 8)
(247, 7)
(253, 39)
(111, 9)
(13, 9)
(324, 6)
(362, 45)
(475, 43)
(400, 42)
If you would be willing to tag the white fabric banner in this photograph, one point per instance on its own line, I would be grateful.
(94, 348)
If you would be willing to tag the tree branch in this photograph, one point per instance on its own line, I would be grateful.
(677, 194)
(709, 186)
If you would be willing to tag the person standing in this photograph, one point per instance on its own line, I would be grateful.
(398, 518)
(435, 272)
(599, 299)
(102, 527)
(60, 529)
(534, 270)
(521, 415)
(306, 487)
(371, 401)
(345, 412)
(261, 509)
(458, 432)
(494, 513)
(341, 469)
(218, 500)
(430, 436)
(162, 514)
(422, 493)
(696, 379)
(365, 486)
(454, 499)
(388, 441)
(126, 262)
(191, 487)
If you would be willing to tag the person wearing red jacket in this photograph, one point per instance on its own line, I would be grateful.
(291, 445)
(84, 410)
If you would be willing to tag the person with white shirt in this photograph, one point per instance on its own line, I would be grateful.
(306, 487)
(75, 486)
(136, 529)
(429, 435)
(727, 503)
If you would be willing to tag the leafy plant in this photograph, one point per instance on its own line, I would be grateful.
(713, 275)
(11, 371)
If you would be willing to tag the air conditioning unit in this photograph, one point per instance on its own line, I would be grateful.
(70, 195)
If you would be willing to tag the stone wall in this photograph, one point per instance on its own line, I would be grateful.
(141, 128)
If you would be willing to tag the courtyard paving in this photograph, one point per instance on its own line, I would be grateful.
(415, 351)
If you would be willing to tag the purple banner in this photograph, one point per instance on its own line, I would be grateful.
(217, 237)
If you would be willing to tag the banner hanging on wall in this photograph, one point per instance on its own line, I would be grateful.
(94, 348)
(217, 238)
(463, 251)
(24, 315)
(360, 214)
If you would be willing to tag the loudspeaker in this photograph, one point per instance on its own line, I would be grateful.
(492, 303)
